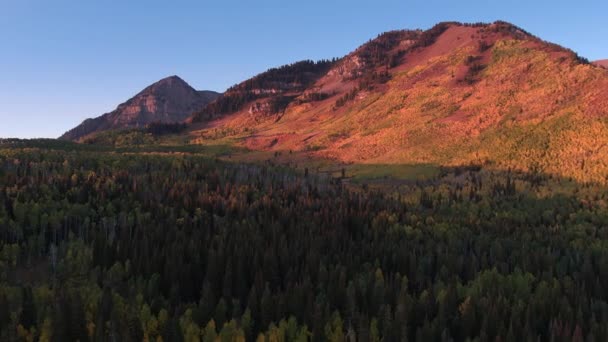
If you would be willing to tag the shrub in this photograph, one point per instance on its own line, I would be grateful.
(483, 46)
(345, 98)
(474, 69)
(160, 128)
(429, 37)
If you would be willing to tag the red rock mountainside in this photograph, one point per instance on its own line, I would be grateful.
(456, 94)
(168, 100)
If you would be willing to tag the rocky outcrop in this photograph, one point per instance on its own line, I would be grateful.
(259, 108)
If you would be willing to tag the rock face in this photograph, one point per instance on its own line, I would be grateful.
(168, 100)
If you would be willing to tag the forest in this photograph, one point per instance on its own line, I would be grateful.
(98, 244)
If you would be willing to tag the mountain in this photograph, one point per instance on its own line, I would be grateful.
(169, 100)
(602, 63)
(490, 94)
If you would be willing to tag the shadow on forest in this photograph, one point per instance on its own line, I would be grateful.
(190, 239)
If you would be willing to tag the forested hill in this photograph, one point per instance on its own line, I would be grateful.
(99, 245)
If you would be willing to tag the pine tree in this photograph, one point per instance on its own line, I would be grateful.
(27, 317)
(5, 314)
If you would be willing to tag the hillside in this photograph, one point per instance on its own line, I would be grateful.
(169, 100)
(490, 94)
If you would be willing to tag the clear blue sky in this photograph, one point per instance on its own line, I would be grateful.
(63, 61)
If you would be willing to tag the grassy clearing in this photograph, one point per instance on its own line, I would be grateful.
(365, 172)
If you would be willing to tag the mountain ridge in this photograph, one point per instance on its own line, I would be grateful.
(454, 94)
(168, 100)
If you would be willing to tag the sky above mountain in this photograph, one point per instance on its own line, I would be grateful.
(62, 61)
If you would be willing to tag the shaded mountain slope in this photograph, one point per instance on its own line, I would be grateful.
(488, 94)
(267, 93)
(168, 100)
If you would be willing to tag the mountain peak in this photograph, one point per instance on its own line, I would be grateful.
(168, 100)
(602, 63)
(169, 83)
(173, 79)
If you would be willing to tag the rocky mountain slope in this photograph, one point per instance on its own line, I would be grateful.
(168, 100)
(490, 94)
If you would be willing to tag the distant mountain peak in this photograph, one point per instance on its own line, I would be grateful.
(173, 80)
(168, 100)
(602, 63)
(167, 84)
(172, 77)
